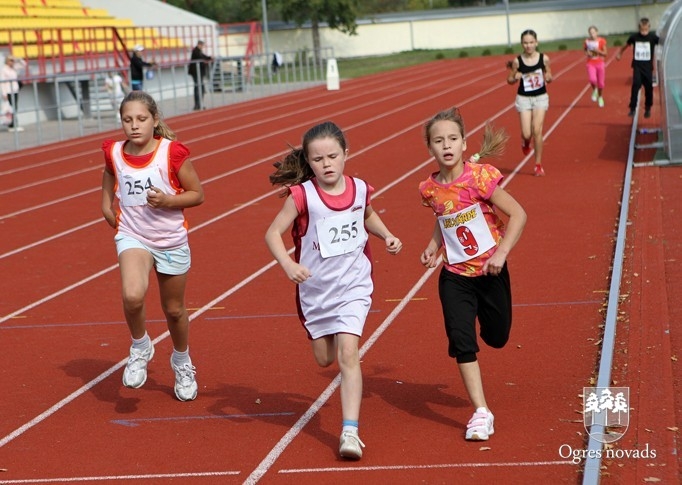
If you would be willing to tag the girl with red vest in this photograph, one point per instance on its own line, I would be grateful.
(148, 181)
(331, 216)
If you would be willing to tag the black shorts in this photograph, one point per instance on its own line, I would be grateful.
(463, 299)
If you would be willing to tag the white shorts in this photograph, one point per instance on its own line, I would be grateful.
(531, 103)
(171, 262)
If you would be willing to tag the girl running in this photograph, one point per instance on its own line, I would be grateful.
(595, 49)
(148, 181)
(532, 101)
(474, 281)
(331, 216)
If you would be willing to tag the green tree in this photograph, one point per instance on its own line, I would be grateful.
(222, 11)
(338, 14)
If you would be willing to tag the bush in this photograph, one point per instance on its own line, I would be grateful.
(463, 54)
(440, 55)
(486, 52)
(617, 43)
(509, 50)
(562, 47)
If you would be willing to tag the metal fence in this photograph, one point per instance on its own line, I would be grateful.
(65, 106)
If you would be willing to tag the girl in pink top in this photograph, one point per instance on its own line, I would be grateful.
(331, 216)
(148, 181)
(474, 242)
(595, 49)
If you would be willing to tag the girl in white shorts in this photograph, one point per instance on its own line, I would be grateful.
(331, 216)
(148, 181)
(532, 70)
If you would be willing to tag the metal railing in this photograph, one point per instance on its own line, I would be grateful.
(63, 106)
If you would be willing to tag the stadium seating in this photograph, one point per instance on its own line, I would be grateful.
(35, 28)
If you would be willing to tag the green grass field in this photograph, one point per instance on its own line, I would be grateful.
(356, 67)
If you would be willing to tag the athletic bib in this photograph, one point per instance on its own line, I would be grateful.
(134, 186)
(642, 51)
(341, 234)
(466, 234)
(533, 81)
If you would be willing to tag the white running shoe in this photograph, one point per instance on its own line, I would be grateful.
(350, 445)
(480, 426)
(185, 383)
(595, 95)
(601, 102)
(135, 373)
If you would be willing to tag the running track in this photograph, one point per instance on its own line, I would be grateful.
(265, 412)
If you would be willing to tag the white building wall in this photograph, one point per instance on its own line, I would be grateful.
(374, 39)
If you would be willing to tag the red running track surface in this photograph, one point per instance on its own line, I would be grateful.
(265, 412)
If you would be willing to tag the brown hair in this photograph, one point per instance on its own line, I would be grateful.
(161, 128)
(294, 169)
(493, 140)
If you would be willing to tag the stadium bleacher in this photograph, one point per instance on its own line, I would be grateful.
(31, 29)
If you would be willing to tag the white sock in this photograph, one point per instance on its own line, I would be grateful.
(143, 343)
(181, 358)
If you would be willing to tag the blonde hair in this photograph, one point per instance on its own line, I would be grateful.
(493, 140)
(161, 129)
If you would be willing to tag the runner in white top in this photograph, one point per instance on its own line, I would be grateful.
(148, 181)
(331, 216)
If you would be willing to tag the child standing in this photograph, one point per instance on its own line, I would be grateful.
(532, 101)
(643, 44)
(148, 182)
(115, 87)
(595, 49)
(474, 281)
(331, 216)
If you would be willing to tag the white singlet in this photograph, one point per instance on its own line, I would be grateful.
(337, 297)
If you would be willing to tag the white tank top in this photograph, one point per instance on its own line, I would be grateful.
(337, 297)
(158, 228)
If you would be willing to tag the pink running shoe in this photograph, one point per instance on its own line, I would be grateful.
(480, 426)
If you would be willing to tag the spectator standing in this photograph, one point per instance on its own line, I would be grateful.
(643, 44)
(10, 87)
(277, 62)
(116, 89)
(198, 69)
(137, 65)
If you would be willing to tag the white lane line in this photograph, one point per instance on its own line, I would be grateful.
(119, 477)
(426, 467)
(279, 448)
(276, 452)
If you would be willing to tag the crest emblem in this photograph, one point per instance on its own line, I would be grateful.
(609, 407)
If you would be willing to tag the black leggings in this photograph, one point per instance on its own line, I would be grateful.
(465, 298)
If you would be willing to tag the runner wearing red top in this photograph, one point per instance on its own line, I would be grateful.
(595, 50)
(331, 217)
(474, 281)
(148, 181)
